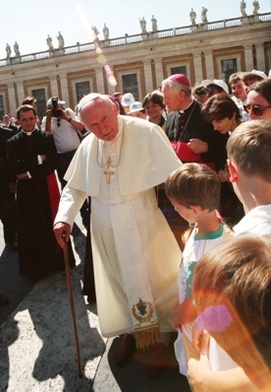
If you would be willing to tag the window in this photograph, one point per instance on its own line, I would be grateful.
(2, 108)
(40, 96)
(178, 70)
(130, 85)
(82, 89)
(228, 67)
(268, 55)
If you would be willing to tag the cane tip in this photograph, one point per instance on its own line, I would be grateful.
(80, 374)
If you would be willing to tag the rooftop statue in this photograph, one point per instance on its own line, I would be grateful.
(8, 51)
(204, 15)
(193, 16)
(256, 6)
(16, 49)
(60, 40)
(143, 25)
(49, 42)
(96, 32)
(154, 23)
(243, 8)
(106, 32)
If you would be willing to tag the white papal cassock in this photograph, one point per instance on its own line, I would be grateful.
(135, 254)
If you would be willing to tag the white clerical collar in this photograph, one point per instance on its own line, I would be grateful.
(183, 110)
(28, 133)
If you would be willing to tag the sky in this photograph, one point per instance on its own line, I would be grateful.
(29, 23)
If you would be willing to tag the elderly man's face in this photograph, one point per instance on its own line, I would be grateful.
(101, 118)
(173, 100)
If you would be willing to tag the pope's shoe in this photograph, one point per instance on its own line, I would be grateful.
(125, 349)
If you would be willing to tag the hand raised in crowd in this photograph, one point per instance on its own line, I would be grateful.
(198, 146)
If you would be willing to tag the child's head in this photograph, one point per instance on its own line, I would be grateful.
(194, 184)
(232, 294)
(249, 148)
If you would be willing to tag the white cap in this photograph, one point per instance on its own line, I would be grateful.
(127, 99)
(49, 102)
(217, 82)
(136, 107)
(254, 72)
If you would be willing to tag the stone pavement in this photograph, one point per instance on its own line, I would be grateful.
(37, 350)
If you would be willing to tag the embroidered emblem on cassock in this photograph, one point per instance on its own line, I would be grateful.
(143, 312)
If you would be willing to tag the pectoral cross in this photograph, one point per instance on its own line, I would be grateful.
(107, 171)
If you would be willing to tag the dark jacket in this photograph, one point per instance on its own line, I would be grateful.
(195, 127)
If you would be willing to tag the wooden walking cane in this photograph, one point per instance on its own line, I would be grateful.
(69, 286)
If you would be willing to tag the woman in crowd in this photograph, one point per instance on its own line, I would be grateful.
(258, 104)
(200, 93)
(154, 108)
(223, 113)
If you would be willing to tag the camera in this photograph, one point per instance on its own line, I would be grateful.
(55, 111)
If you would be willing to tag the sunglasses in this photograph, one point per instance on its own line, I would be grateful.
(258, 110)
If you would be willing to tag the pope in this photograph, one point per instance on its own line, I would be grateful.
(135, 253)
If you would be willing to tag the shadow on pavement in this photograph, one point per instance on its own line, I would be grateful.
(133, 377)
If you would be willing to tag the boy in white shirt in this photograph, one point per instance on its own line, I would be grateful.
(194, 191)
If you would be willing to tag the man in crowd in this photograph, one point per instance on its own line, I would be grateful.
(252, 77)
(193, 139)
(32, 161)
(135, 254)
(7, 195)
(239, 92)
(64, 125)
(66, 128)
(216, 86)
(7, 192)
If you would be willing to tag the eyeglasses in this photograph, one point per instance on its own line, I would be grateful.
(258, 110)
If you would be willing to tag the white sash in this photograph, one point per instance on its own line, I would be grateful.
(132, 261)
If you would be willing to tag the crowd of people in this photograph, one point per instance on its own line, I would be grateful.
(199, 154)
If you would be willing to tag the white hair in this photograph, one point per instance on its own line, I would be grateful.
(175, 86)
(89, 98)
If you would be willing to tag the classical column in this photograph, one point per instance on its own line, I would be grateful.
(157, 67)
(100, 80)
(54, 85)
(260, 57)
(150, 83)
(198, 66)
(19, 92)
(209, 62)
(63, 88)
(12, 89)
(248, 58)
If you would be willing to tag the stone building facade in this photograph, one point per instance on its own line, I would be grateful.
(137, 63)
